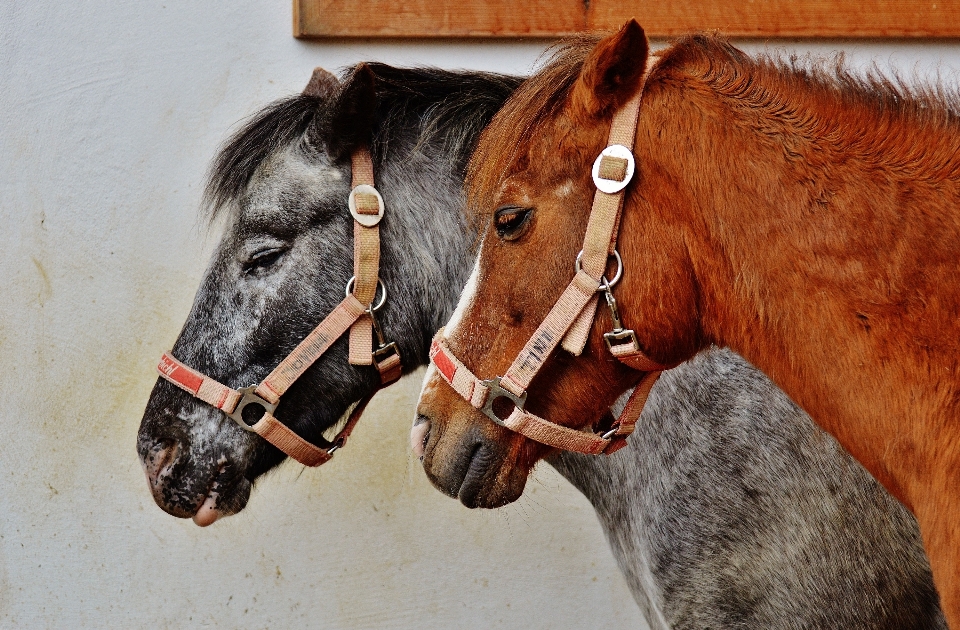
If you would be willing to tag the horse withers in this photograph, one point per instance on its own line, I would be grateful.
(803, 217)
(724, 472)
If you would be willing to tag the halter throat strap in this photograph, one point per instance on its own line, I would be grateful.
(570, 319)
(354, 313)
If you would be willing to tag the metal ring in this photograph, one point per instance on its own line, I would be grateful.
(380, 285)
(616, 277)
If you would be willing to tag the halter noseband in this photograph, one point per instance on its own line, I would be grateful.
(570, 319)
(355, 312)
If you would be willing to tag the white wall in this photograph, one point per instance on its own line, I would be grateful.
(109, 113)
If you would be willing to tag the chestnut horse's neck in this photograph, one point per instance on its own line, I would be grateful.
(819, 224)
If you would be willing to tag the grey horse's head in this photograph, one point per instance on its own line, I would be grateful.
(281, 184)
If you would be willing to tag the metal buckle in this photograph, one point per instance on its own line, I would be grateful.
(250, 398)
(498, 391)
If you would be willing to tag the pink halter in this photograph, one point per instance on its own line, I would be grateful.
(355, 313)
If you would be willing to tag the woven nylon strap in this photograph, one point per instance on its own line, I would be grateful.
(599, 241)
(366, 260)
(475, 391)
(310, 349)
(569, 322)
(350, 314)
(226, 399)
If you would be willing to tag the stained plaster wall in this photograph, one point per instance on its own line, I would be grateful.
(109, 113)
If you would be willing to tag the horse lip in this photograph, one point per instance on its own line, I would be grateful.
(232, 491)
(420, 436)
(471, 485)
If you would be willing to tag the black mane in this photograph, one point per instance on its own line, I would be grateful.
(438, 105)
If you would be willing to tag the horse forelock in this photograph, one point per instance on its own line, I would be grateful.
(797, 90)
(508, 135)
(436, 106)
(271, 129)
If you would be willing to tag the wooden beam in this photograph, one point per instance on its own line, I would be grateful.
(437, 18)
(783, 18)
(660, 18)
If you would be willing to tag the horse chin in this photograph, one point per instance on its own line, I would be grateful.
(479, 491)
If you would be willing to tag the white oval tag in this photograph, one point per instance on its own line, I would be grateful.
(611, 186)
(367, 220)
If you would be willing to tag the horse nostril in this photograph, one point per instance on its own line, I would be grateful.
(419, 435)
(158, 459)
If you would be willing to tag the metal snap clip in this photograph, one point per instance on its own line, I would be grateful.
(618, 336)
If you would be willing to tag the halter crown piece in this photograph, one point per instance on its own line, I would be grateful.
(569, 321)
(355, 312)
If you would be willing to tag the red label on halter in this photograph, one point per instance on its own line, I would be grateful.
(443, 362)
(175, 372)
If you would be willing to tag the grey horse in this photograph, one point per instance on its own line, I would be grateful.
(729, 508)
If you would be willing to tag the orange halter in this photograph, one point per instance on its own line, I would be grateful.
(570, 318)
(366, 206)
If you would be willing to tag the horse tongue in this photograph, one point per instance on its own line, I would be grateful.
(207, 514)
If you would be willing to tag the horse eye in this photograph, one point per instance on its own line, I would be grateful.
(264, 258)
(510, 221)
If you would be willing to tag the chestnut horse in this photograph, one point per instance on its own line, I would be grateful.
(805, 218)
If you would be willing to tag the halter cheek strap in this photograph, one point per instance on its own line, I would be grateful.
(570, 319)
(355, 313)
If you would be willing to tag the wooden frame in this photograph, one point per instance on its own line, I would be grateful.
(661, 18)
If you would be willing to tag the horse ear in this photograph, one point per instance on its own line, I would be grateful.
(351, 122)
(322, 84)
(613, 72)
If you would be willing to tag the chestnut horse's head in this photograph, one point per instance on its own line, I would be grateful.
(532, 171)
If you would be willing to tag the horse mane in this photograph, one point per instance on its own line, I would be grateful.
(802, 92)
(879, 118)
(444, 107)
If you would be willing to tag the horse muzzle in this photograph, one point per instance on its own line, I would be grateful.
(195, 460)
(468, 457)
